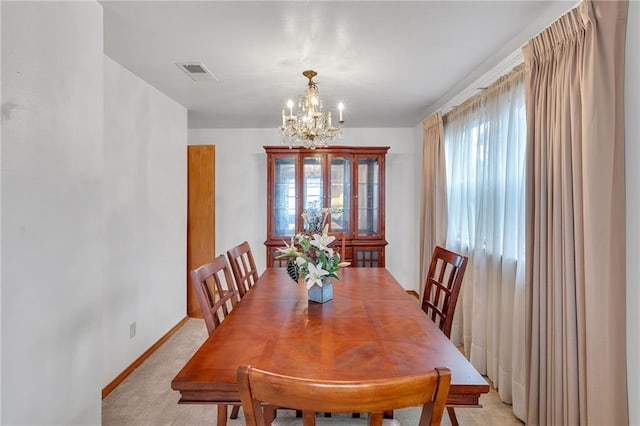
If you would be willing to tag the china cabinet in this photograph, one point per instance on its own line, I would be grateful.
(347, 179)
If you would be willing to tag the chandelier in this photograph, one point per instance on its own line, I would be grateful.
(311, 126)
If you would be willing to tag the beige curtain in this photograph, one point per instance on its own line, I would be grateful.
(433, 207)
(575, 281)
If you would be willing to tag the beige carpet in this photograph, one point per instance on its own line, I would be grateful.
(146, 398)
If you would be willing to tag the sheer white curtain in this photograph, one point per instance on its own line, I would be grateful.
(485, 153)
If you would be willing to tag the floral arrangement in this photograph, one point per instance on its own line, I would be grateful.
(313, 256)
(315, 218)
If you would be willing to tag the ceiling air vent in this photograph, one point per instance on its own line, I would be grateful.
(196, 71)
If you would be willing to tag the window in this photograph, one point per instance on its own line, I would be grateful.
(485, 152)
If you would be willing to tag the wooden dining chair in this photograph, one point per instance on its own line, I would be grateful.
(441, 291)
(243, 267)
(217, 295)
(261, 390)
(246, 275)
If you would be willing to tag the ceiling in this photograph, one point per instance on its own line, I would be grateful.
(390, 62)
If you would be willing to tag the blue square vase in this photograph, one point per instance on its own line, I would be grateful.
(321, 294)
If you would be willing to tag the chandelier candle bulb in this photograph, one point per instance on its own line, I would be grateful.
(290, 105)
(340, 108)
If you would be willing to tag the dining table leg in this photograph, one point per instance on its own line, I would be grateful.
(269, 412)
(222, 415)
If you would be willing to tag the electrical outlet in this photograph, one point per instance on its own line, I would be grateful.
(132, 330)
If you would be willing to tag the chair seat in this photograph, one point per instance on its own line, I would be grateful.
(335, 419)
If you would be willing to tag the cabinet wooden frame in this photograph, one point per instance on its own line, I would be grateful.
(356, 241)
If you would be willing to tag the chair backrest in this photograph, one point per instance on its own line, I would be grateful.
(442, 287)
(215, 291)
(340, 244)
(243, 267)
(258, 387)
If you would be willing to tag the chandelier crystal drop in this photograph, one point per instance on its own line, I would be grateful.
(310, 126)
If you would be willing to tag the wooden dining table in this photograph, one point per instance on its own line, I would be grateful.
(371, 329)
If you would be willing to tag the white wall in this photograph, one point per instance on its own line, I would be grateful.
(241, 187)
(0, 218)
(241, 191)
(52, 216)
(145, 180)
(632, 154)
(418, 141)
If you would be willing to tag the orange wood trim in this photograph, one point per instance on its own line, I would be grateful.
(201, 220)
(414, 294)
(135, 364)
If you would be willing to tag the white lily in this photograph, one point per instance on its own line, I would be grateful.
(315, 275)
(322, 241)
(289, 250)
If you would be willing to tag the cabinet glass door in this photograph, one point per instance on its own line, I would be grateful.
(368, 208)
(284, 196)
(340, 199)
(312, 185)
